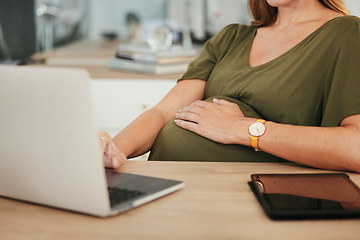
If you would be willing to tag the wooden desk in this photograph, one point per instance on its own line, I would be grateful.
(93, 55)
(216, 203)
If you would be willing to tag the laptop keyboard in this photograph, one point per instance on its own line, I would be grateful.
(119, 195)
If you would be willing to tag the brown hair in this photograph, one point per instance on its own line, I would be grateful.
(265, 15)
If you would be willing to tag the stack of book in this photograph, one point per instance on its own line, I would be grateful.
(141, 58)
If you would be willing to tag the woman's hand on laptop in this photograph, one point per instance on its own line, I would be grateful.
(112, 156)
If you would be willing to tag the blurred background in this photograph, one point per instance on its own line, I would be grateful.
(28, 26)
(89, 34)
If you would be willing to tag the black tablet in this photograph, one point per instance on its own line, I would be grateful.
(307, 196)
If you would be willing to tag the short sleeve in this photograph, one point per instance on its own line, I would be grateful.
(213, 50)
(342, 89)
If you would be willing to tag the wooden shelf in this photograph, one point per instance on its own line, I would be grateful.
(93, 56)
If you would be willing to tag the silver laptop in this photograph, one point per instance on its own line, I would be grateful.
(49, 151)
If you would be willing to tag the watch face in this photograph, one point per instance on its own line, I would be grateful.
(257, 129)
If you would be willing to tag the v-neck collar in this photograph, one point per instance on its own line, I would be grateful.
(319, 29)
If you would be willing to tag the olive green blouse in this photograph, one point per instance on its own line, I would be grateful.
(316, 83)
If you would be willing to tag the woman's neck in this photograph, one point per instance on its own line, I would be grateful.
(301, 11)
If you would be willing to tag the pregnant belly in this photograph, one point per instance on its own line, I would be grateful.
(177, 144)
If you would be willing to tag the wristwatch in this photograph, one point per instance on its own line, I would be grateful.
(256, 130)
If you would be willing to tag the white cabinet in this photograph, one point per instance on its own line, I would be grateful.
(119, 101)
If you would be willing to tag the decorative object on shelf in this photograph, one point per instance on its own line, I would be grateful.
(160, 39)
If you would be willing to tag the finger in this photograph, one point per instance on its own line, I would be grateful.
(111, 153)
(113, 159)
(197, 104)
(104, 136)
(107, 161)
(187, 116)
(117, 157)
(102, 143)
(115, 162)
(193, 110)
(222, 102)
(187, 125)
(201, 104)
(104, 140)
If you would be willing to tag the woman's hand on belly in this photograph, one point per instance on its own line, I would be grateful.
(220, 121)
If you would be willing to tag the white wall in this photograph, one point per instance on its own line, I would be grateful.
(110, 15)
(354, 7)
(218, 14)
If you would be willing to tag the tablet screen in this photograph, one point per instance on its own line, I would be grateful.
(297, 196)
